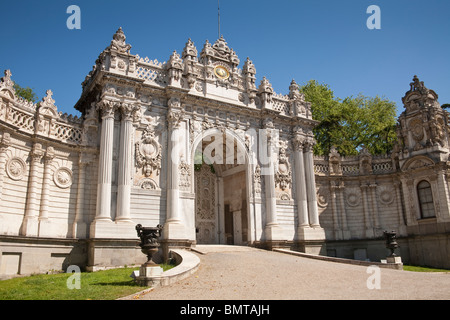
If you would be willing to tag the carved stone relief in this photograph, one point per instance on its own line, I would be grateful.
(386, 195)
(63, 177)
(148, 153)
(148, 184)
(322, 197)
(16, 168)
(353, 196)
(205, 205)
(283, 174)
(185, 176)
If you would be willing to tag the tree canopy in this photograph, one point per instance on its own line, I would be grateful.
(350, 123)
(26, 93)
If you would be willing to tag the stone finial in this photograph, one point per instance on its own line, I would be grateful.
(6, 81)
(265, 86)
(189, 51)
(175, 61)
(118, 42)
(47, 105)
(294, 90)
(248, 67)
(417, 85)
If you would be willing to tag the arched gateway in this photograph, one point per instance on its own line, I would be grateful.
(196, 145)
(193, 144)
(221, 178)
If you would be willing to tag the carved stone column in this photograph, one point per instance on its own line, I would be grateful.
(125, 159)
(44, 222)
(173, 228)
(400, 209)
(376, 220)
(79, 225)
(5, 142)
(103, 211)
(367, 221)
(311, 185)
(335, 213)
(300, 183)
(272, 230)
(343, 217)
(30, 221)
(443, 195)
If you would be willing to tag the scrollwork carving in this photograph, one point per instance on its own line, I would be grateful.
(148, 153)
(283, 174)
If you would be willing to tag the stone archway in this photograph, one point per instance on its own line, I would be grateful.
(220, 187)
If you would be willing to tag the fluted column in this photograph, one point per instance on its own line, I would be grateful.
(125, 158)
(373, 188)
(5, 142)
(48, 158)
(343, 217)
(400, 209)
(300, 183)
(269, 184)
(174, 227)
(334, 211)
(273, 231)
(311, 185)
(43, 214)
(271, 200)
(79, 225)
(173, 162)
(367, 221)
(30, 221)
(103, 211)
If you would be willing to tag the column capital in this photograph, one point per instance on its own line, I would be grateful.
(174, 118)
(5, 142)
(309, 143)
(128, 111)
(298, 142)
(49, 155)
(107, 108)
(37, 153)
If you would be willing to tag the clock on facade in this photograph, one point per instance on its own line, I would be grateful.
(221, 72)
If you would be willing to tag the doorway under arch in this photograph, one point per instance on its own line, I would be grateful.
(221, 192)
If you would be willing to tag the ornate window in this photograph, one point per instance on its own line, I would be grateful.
(425, 200)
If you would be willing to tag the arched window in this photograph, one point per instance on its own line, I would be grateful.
(425, 200)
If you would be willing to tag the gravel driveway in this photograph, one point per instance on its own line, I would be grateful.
(242, 273)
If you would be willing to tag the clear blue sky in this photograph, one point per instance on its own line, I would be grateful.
(286, 39)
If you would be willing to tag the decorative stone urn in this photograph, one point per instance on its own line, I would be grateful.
(149, 241)
(391, 244)
(150, 271)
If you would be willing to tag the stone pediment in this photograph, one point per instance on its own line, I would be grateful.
(417, 163)
(219, 51)
(419, 97)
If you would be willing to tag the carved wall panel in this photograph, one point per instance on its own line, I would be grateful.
(205, 205)
(148, 156)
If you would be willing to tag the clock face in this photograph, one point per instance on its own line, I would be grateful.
(221, 72)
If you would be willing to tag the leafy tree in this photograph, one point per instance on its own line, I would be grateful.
(350, 123)
(26, 93)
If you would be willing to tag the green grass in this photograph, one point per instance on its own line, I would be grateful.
(100, 285)
(423, 269)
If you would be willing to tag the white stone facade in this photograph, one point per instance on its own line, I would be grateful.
(76, 187)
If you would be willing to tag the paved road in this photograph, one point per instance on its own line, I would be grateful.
(240, 273)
